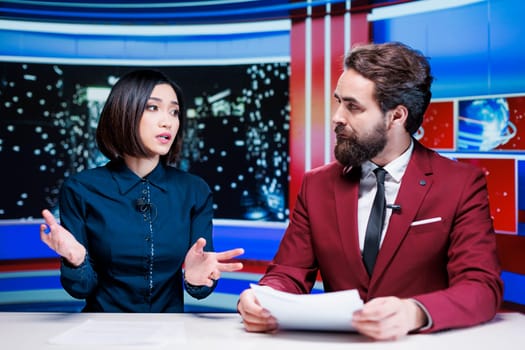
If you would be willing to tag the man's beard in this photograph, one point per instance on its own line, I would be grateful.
(354, 151)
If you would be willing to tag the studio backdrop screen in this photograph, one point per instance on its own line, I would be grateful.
(236, 135)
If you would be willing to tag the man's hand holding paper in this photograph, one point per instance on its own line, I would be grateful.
(323, 311)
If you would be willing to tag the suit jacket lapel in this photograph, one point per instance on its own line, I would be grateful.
(415, 184)
(346, 194)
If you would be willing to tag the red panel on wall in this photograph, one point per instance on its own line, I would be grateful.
(502, 192)
(317, 98)
(337, 65)
(360, 28)
(320, 142)
(297, 98)
(437, 130)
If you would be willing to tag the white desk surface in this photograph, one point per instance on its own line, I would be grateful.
(225, 331)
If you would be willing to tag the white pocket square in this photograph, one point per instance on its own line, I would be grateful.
(425, 221)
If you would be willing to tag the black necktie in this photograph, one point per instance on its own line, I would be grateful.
(375, 223)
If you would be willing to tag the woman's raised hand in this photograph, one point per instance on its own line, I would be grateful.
(203, 268)
(61, 240)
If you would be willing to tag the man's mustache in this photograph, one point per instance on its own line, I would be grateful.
(339, 129)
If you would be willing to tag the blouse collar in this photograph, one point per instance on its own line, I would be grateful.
(127, 179)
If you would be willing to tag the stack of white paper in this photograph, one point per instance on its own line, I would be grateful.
(323, 311)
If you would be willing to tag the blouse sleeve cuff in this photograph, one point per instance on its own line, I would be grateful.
(68, 265)
(199, 292)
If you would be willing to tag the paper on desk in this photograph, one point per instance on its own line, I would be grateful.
(323, 311)
(104, 332)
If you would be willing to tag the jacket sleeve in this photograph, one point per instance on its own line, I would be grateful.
(475, 288)
(294, 268)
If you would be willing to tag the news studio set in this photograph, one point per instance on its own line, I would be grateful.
(258, 83)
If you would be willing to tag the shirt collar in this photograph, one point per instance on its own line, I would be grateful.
(127, 179)
(396, 168)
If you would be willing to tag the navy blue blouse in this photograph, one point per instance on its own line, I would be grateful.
(136, 232)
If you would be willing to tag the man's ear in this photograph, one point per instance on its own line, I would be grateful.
(398, 115)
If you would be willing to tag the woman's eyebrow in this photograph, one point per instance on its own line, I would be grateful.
(173, 102)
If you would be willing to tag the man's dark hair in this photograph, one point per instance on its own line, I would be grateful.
(401, 76)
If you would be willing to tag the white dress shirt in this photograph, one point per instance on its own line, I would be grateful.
(368, 188)
(367, 191)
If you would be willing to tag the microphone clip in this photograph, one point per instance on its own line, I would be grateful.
(141, 205)
(394, 207)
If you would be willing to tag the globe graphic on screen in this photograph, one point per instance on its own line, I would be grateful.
(484, 124)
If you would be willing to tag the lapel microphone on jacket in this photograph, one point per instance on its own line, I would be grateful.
(394, 207)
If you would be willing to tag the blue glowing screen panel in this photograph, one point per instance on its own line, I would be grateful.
(474, 49)
(236, 135)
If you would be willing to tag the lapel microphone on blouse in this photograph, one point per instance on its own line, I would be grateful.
(146, 207)
(141, 205)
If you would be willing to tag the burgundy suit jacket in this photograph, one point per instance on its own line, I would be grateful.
(450, 266)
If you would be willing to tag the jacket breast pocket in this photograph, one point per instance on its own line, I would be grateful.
(420, 227)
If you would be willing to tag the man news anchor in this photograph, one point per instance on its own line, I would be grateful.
(409, 229)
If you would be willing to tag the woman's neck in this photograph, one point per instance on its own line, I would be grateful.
(141, 166)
